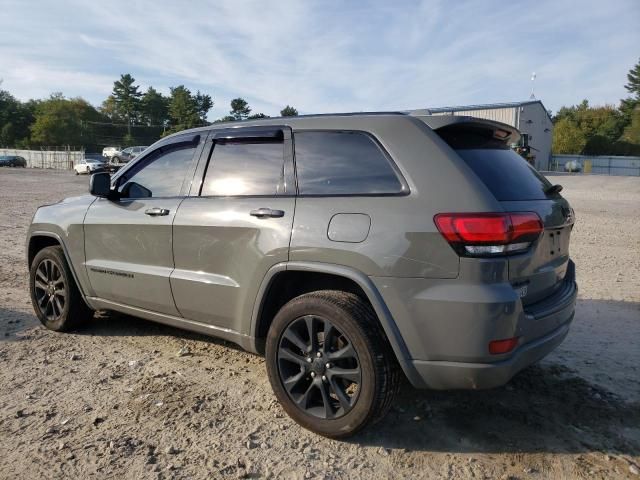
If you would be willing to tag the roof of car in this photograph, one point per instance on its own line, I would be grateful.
(315, 121)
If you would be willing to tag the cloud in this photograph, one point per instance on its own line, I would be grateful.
(325, 56)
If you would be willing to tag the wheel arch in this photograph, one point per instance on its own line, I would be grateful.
(313, 276)
(42, 239)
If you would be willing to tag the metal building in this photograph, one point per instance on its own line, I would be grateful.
(530, 117)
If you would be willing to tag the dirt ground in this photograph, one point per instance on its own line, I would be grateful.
(114, 400)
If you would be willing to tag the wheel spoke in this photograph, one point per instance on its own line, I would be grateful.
(49, 307)
(329, 331)
(351, 374)
(61, 293)
(303, 401)
(40, 274)
(326, 400)
(41, 301)
(294, 338)
(343, 398)
(291, 382)
(56, 300)
(313, 338)
(344, 353)
(288, 355)
(39, 285)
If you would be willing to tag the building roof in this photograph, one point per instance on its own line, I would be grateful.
(488, 106)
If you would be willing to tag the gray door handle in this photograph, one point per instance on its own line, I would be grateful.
(266, 213)
(156, 212)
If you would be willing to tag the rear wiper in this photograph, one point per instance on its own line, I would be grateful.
(553, 189)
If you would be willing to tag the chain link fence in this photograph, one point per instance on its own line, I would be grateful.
(604, 165)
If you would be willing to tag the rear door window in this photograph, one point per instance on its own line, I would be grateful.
(254, 168)
(343, 163)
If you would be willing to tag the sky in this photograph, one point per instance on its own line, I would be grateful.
(324, 56)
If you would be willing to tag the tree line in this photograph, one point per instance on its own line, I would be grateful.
(127, 116)
(601, 130)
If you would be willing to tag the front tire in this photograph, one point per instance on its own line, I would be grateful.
(330, 364)
(55, 297)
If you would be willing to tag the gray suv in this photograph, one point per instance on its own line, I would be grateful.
(348, 249)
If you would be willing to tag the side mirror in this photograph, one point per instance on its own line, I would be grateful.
(100, 184)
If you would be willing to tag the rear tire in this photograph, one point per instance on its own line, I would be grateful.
(356, 385)
(55, 297)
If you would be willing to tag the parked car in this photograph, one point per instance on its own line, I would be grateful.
(110, 151)
(349, 249)
(124, 156)
(89, 165)
(12, 161)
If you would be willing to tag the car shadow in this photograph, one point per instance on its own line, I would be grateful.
(115, 324)
(14, 322)
(545, 408)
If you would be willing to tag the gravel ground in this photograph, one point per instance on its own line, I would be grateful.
(116, 400)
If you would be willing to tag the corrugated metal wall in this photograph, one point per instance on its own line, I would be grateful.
(504, 115)
(607, 165)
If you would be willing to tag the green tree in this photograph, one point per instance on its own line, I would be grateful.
(632, 131)
(567, 137)
(127, 98)
(109, 108)
(633, 81)
(204, 103)
(628, 105)
(61, 121)
(239, 109)
(15, 119)
(257, 116)
(154, 107)
(600, 127)
(183, 109)
(288, 112)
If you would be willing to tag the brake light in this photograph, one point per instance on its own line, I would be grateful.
(482, 234)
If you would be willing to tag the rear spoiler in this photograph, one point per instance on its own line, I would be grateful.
(501, 131)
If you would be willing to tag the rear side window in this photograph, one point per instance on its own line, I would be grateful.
(245, 168)
(506, 174)
(343, 163)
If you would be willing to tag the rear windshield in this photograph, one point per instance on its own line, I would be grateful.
(506, 174)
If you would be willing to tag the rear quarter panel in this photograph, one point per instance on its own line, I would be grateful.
(403, 240)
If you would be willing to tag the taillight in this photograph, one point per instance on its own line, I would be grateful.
(485, 234)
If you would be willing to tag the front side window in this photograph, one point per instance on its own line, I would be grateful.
(159, 174)
(343, 163)
(245, 168)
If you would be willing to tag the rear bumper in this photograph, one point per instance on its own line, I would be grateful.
(447, 326)
(458, 375)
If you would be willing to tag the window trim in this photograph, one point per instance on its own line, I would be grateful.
(249, 134)
(405, 189)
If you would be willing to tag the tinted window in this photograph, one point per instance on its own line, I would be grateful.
(161, 173)
(339, 163)
(246, 168)
(506, 174)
